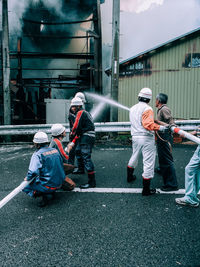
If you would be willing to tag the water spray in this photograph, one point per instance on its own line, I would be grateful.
(108, 100)
(97, 110)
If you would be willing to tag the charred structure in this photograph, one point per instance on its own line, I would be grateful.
(56, 53)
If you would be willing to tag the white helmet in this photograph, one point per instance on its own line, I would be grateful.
(76, 101)
(146, 93)
(81, 96)
(40, 138)
(57, 129)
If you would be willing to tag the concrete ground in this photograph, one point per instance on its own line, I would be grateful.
(97, 229)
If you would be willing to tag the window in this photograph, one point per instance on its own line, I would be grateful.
(192, 60)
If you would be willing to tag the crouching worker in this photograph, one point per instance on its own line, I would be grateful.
(58, 133)
(46, 170)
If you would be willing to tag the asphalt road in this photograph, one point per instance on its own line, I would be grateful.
(97, 229)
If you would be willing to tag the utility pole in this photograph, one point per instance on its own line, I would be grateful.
(97, 49)
(115, 57)
(6, 64)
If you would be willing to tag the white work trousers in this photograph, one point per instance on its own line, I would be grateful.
(146, 146)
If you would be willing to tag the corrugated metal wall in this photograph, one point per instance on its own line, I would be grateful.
(168, 75)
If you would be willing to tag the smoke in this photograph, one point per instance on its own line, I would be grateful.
(145, 24)
(21, 16)
(138, 5)
(23, 12)
(158, 24)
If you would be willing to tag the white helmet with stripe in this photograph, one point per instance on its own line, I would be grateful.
(145, 93)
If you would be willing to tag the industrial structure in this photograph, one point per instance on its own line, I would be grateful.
(172, 68)
(53, 56)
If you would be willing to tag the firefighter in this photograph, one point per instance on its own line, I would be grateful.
(143, 140)
(72, 153)
(46, 167)
(82, 97)
(71, 119)
(58, 133)
(83, 128)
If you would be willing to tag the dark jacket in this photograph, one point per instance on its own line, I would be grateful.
(83, 127)
(71, 119)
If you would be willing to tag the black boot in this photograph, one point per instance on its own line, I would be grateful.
(80, 163)
(130, 176)
(45, 199)
(146, 188)
(91, 181)
(44, 202)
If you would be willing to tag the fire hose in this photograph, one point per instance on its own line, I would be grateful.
(16, 191)
(185, 134)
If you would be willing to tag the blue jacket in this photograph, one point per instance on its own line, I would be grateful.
(46, 166)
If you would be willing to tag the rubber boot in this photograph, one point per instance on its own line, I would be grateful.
(146, 188)
(130, 176)
(80, 164)
(44, 202)
(45, 199)
(91, 181)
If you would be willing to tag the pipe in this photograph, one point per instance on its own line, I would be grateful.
(185, 134)
(12, 194)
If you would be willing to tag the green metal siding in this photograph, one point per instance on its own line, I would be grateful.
(170, 76)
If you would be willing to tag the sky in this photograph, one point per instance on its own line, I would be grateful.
(145, 24)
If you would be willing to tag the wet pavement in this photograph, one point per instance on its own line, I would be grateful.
(97, 228)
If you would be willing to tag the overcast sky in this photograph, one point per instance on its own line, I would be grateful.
(145, 24)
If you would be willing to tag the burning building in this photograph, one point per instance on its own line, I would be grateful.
(55, 51)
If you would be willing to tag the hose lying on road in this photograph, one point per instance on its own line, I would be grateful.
(12, 194)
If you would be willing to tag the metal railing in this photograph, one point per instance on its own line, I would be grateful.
(186, 125)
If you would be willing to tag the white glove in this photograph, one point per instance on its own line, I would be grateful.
(163, 128)
(71, 144)
(69, 147)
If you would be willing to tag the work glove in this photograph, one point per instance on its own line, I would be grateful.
(69, 147)
(163, 128)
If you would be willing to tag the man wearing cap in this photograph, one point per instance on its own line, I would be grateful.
(46, 168)
(143, 139)
(83, 129)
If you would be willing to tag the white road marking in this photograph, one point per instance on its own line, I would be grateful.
(16, 156)
(121, 190)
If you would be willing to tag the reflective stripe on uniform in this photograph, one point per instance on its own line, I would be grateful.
(60, 147)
